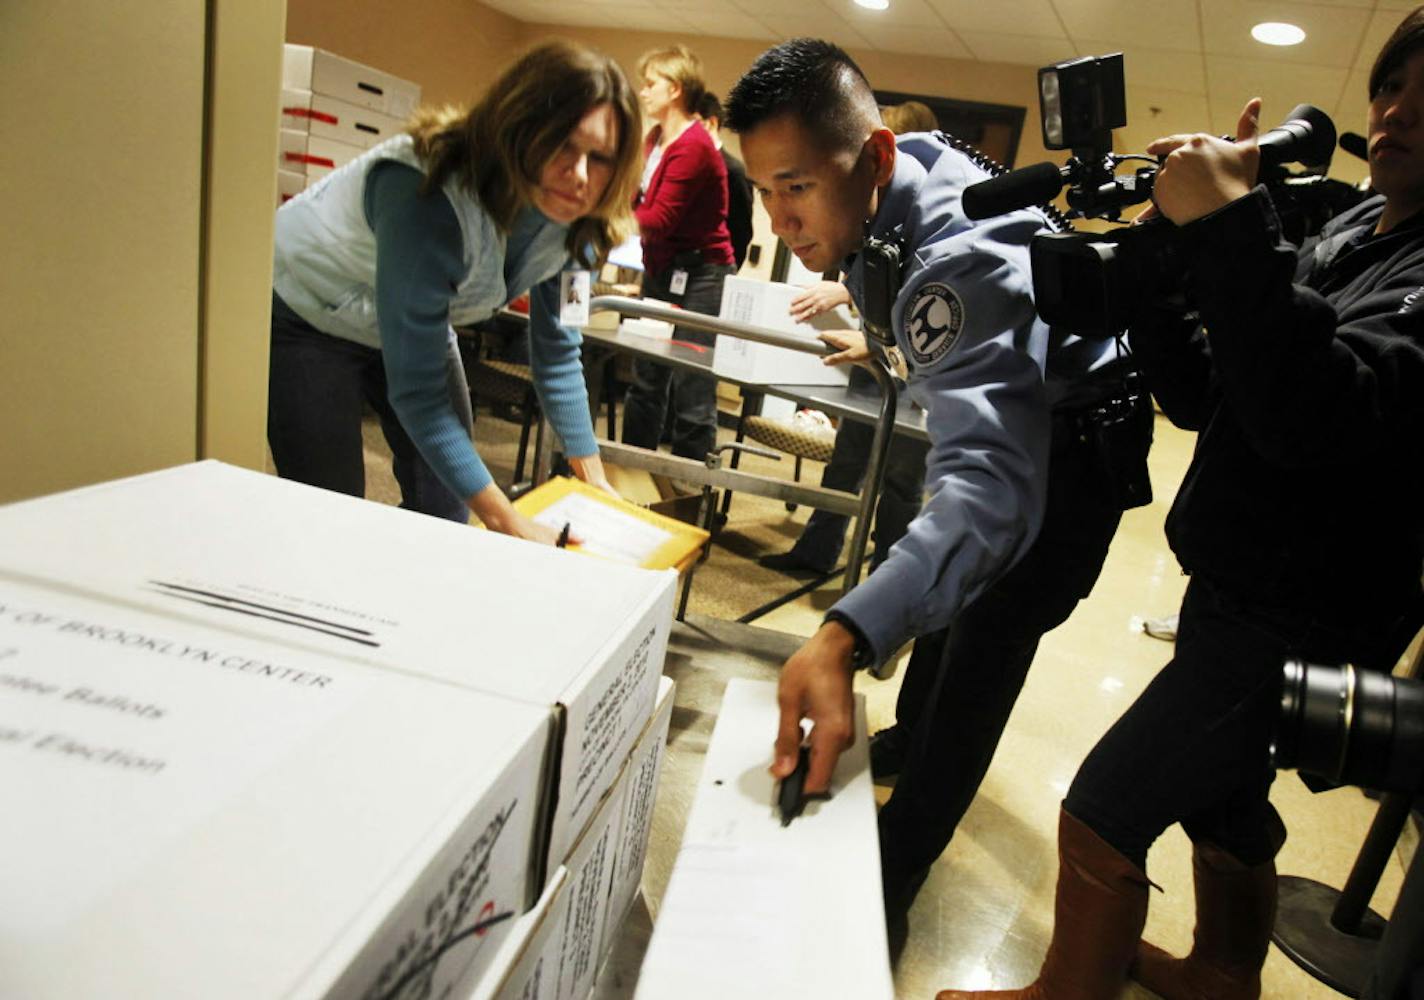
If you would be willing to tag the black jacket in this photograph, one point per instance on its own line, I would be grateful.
(739, 206)
(1304, 491)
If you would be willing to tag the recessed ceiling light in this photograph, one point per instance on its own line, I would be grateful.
(873, 4)
(1277, 33)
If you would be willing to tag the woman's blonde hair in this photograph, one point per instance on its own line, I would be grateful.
(682, 67)
(498, 149)
(911, 116)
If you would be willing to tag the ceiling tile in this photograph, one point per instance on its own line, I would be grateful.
(581, 15)
(901, 13)
(1158, 24)
(826, 26)
(1231, 82)
(1018, 49)
(1153, 113)
(809, 11)
(917, 41)
(1381, 26)
(1022, 17)
(1147, 67)
(729, 25)
(1331, 33)
(668, 21)
(711, 7)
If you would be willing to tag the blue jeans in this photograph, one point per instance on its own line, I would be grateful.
(693, 394)
(317, 386)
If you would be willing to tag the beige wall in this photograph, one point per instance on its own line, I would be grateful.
(135, 321)
(244, 92)
(452, 48)
(103, 110)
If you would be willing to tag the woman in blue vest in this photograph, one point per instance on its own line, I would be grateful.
(439, 226)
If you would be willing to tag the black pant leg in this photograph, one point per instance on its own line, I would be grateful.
(960, 700)
(315, 390)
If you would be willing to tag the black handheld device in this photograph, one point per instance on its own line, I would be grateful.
(882, 286)
(790, 797)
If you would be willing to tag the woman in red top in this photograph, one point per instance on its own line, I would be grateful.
(687, 251)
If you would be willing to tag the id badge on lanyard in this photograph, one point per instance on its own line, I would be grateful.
(574, 288)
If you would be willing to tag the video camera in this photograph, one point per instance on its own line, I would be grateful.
(1095, 284)
(1352, 726)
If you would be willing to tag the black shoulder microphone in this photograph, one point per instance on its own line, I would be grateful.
(1355, 144)
(1306, 136)
(1014, 190)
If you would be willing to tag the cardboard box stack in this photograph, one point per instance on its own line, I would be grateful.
(260, 739)
(333, 110)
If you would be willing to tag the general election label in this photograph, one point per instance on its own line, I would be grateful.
(122, 731)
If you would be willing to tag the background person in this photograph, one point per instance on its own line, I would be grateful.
(739, 189)
(444, 225)
(1298, 521)
(687, 252)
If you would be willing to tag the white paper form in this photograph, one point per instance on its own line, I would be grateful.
(603, 530)
(757, 909)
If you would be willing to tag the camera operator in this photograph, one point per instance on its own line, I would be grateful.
(1299, 522)
(1008, 413)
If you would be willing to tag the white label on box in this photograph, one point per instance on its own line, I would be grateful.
(639, 794)
(150, 718)
(583, 926)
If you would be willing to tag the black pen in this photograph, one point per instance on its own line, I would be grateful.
(563, 541)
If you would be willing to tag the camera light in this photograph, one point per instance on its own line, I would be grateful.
(873, 4)
(1051, 106)
(1277, 33)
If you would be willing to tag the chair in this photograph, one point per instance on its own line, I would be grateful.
(795, 441)
(510, 384)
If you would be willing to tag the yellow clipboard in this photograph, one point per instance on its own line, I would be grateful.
(611, 528)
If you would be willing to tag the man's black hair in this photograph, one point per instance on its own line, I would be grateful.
(1407, 39)
(709, 107)
(815, 82)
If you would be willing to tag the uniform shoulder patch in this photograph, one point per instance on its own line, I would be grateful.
(933, 321)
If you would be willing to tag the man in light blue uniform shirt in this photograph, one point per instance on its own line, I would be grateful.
(1020, 504)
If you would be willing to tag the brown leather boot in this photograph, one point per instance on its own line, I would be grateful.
(1098, 915)
(1236, 910)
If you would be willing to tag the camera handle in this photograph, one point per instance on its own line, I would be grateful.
(1333, 934)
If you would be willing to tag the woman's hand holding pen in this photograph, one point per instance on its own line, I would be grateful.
(495, 511)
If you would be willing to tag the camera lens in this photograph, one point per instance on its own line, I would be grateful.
(1355, 727)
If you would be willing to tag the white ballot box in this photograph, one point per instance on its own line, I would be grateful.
(768, 303)
(253, 555)
(640, 786)
(759, 909)
(556, 948)
(322, 72)
(200, 812)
